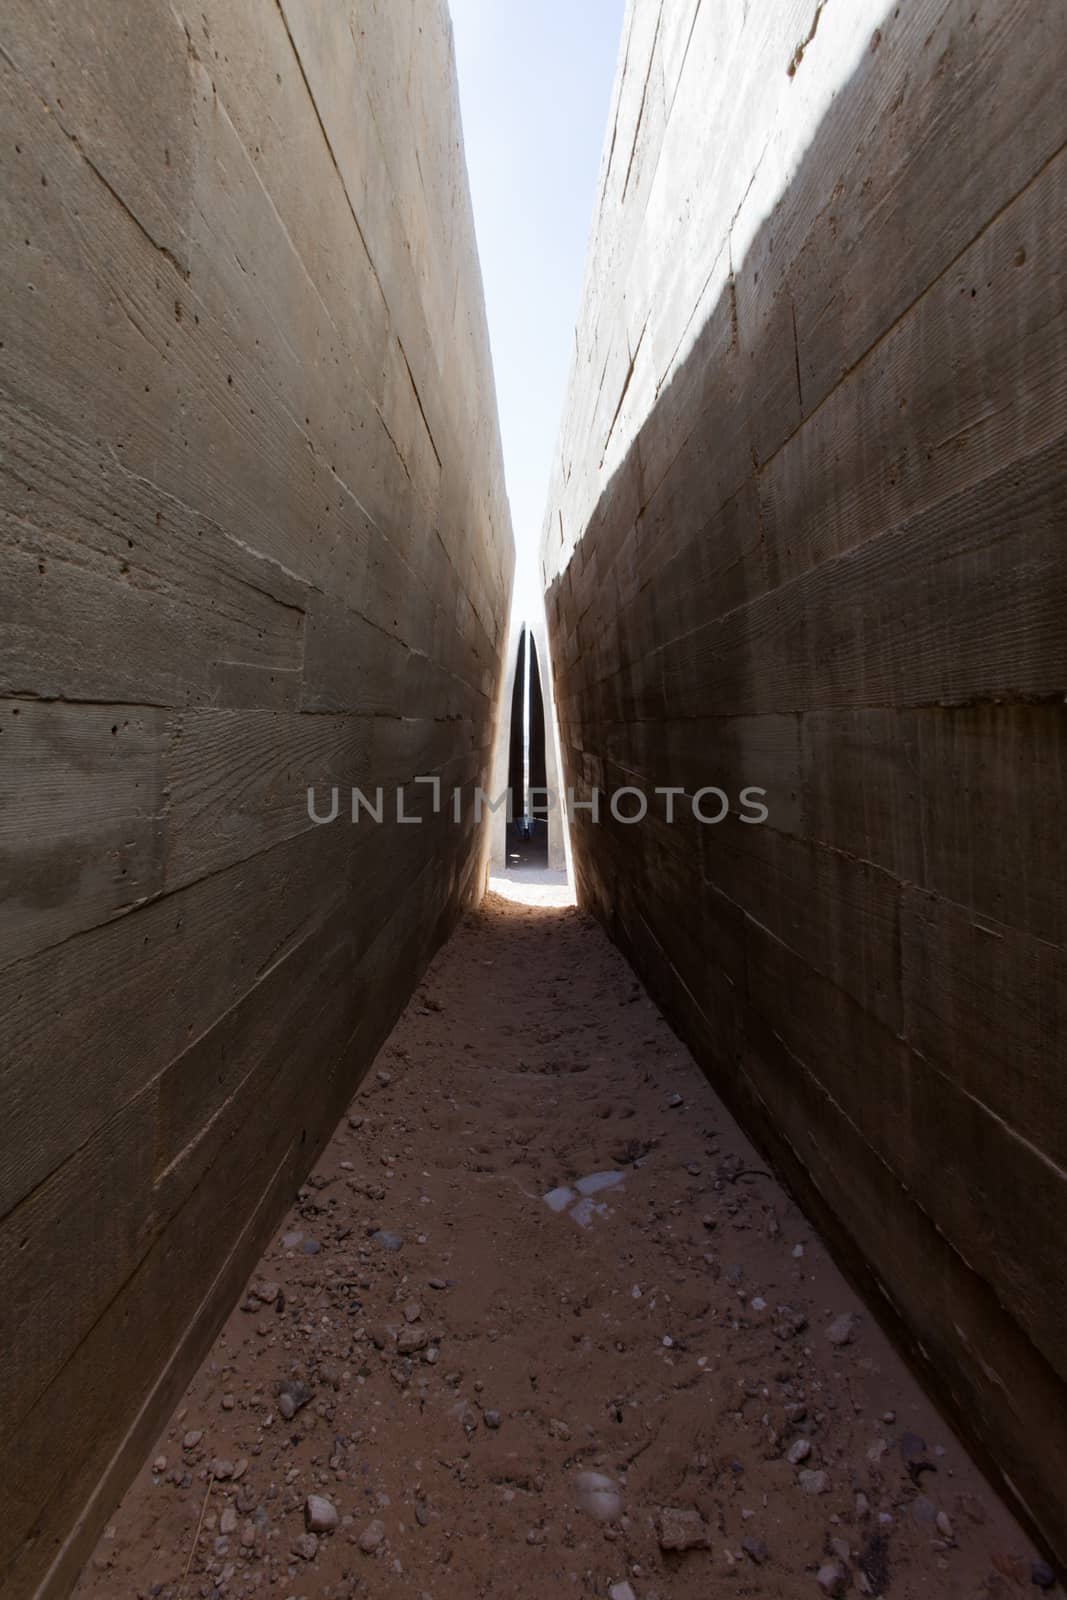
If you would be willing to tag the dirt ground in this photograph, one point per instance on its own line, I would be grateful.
(445, 1359)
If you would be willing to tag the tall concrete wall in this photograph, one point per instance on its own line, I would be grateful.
(806, 532)
(255, 537)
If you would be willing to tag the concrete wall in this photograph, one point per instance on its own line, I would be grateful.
(255, 536)
(806, 532)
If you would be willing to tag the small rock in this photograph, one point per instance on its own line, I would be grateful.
(319, 1515)
(294, 1394)
(841, 1549)
(491, 1419)
(757, 1303)
(248, 1536)
(387, 1240)
(863, 1506)
(372, 1537)
(755, 1549)
(1042, 1575)
(192, 1438)
(598, 1496)
(438, 1283)
(842, 1330)
(311, 1247)
(813, 1482)
(222, 1469)
(789, 1323)
(912, 1448)
(833, 1578)
(621, 1591)
(159, 1464)
(306, 1547)
(422, 1513)
(410, 1340)
(945, 1528)
(228, 1402)
(228, 1521)
(682, 1530)
(799, 1451)
(412, 1311)
(923, 1509)
(675, 1101)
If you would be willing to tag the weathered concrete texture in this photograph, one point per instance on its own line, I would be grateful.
(806, 532)
(255, 537)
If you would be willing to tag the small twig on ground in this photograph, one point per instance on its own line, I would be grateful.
(196, 1536)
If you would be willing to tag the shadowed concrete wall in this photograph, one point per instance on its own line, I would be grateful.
(255, 537)
(806, 532)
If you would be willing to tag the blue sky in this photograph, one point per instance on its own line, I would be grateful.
(535, 82)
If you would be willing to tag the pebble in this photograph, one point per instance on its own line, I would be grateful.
(372, 1537)
(491, 1419)
(621, 1591)
(944, 1526)
(799, 1451)
(319, 1515)
(813, 1482)
(306, 1547)
(311, 1247)
(387, 1240)
(682, 1530)
(410, 1340)
(293, 1394)
(833, 1578)
(675, 1101)
(598, 1496)
(412, 1311)
(159, 1464)
(756, 1550)
(842, 1330)
(192, 1438)
(1042, 1575)
(228, 1521)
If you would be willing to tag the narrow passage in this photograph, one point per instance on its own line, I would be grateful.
(440, 1385)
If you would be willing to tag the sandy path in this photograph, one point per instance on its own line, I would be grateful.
(461, 1383)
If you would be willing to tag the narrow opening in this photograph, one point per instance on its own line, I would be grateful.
(527, 829)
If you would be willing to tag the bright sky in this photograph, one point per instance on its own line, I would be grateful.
(535, 82)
